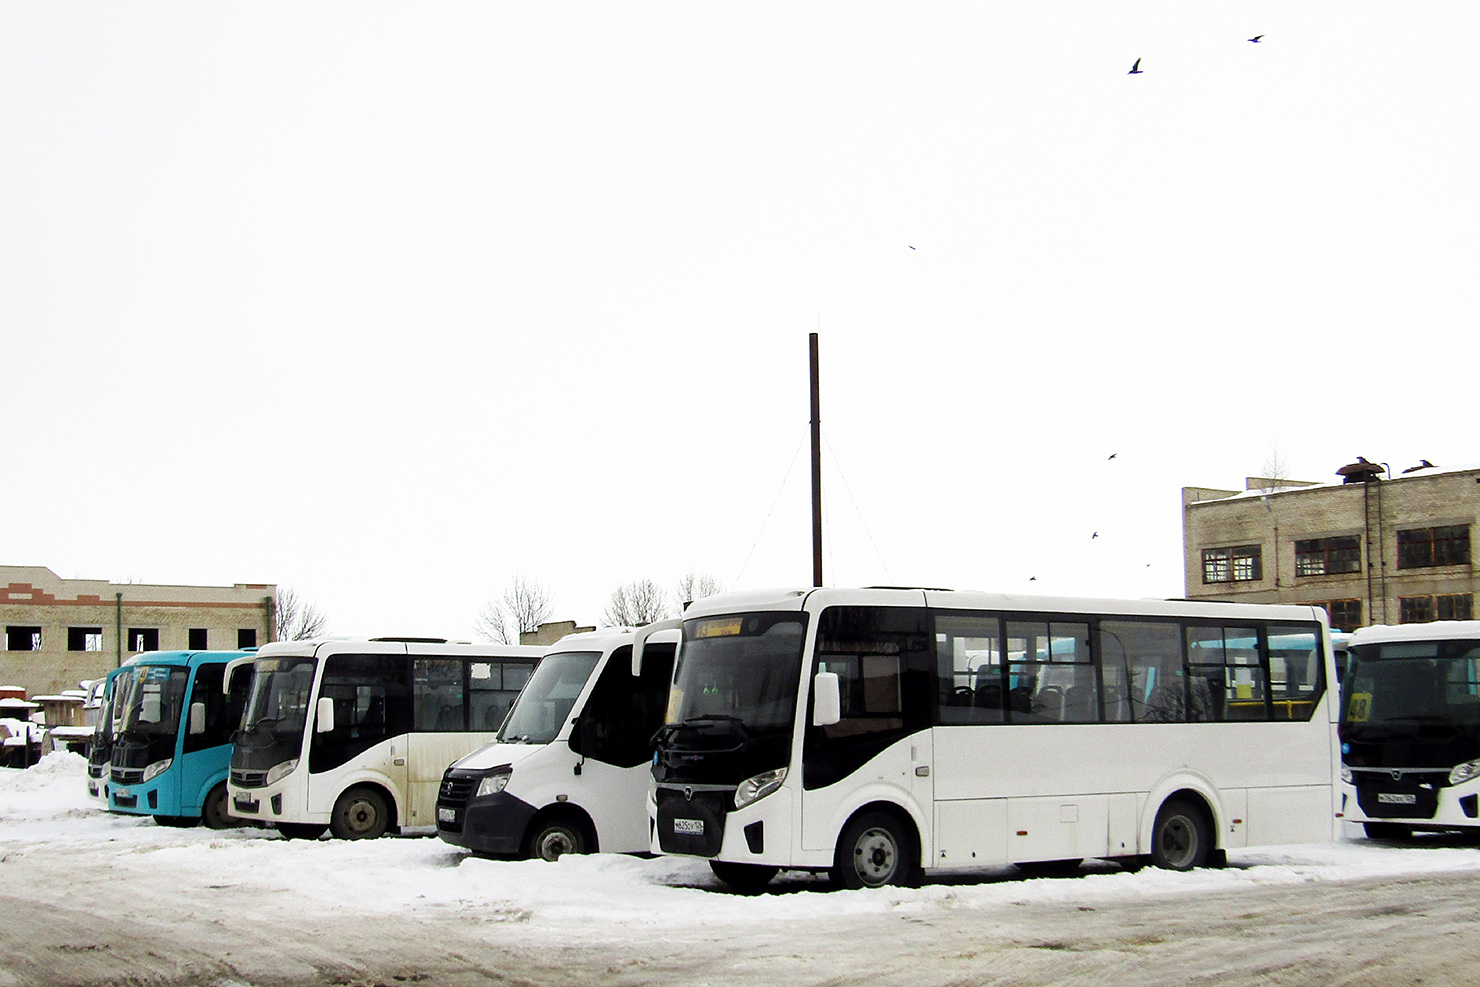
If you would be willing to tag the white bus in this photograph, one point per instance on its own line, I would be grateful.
(353, 736)
(570, 768)
(879, 734)
(1410, 728)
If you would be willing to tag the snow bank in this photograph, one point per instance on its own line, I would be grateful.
(46, 807)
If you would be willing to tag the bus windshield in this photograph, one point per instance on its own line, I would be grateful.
(277, 705)
(155, 702)
(743, 670)
(1409, 683)
(545, 703)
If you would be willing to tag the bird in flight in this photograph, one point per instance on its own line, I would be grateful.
(912, 248)
(1136, 68)
(1255, 38)
(1094, 536)
(1111, 456)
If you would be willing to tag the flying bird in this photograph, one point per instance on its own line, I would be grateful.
(912, 248)
(1094, 536)
(1032, 579)
(1111, 456)
(1255, 38)
(1136, 68)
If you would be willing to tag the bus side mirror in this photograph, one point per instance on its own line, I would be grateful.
(197, 718)
(324, 721)
(827, 701)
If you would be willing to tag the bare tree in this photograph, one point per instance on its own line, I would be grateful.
(695, 586)
(635, 604)
(524, 606)
(295, 618)
(1276, 470)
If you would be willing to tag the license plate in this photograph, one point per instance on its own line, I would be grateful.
(122, 793)
(1397, 798)
(92, 789)
(693, 826)
(244, 805)
(446, 815)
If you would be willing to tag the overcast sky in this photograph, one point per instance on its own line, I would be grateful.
(391, 302)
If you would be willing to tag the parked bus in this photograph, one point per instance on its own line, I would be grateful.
(1410, 728)
(570, 768)
(879, 734)
(353, 736)
(100, 748)
(172, 737)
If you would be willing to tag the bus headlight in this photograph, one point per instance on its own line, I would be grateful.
(1464, 772)
(279, 771)
(494, 782)
(158, 768)
(1346, 774)
(758, 787)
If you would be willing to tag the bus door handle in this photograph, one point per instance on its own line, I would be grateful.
(399, 760)
(922, 771)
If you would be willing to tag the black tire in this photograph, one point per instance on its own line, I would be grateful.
(177, 822)
(360, 814)
(301, 831)
(1181, 839)
(551, 839)
(1050, 868)
(1386, 831)
(743, 878)
(873, 852)
(216, 813)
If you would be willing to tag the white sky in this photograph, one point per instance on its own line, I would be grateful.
(391, 302)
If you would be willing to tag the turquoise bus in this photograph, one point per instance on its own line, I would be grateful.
(172, 727)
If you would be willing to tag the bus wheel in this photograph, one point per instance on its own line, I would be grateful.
(744, 878)
(874, 851)
(301, 831)
(554, 838)
(176, 822)
(216, 813)
(1386, 831)
(1180, 840)
(360, 814)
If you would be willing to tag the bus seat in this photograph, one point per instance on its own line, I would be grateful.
(989, 696)
(449, 718)
(1050, 703)
(1079, 704)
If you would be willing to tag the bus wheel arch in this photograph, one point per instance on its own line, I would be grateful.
(363, 812)
(877, 847)
(1184, 834)
(557, 830)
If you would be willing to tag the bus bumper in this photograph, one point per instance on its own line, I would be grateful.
(492, 825)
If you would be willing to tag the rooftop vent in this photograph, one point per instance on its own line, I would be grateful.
(1361, 471)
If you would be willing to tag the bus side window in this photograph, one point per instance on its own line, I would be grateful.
(969, 670)
(1297, 668)
(1141, 671)
(437, 695)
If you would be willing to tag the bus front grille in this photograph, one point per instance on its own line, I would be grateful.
(248, 779)
(128, 776)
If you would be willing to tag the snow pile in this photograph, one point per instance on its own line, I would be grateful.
(46, 808)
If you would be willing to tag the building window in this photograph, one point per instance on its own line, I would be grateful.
(1457, 606)
(84, 639)
(143, 639)
(22, 638)
(198, 639)
(1241, 564)
(1421, 548)
(1344, 615)
(246, 637)
(1422, 609)
(1328, 556)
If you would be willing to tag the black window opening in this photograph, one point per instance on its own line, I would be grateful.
(1425, 609)
(1239, 564)
(143, 639)
(1424, 548)
(197, 639)
(246, 637)
(1328, 556)
(84, 639)
(1343, 615)
(22, 638)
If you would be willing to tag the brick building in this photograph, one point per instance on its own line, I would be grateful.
(59, 632)
(1373, 547)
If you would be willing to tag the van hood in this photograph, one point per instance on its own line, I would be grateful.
(494, 754)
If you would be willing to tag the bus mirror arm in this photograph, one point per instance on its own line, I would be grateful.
(827, 700)
(643, 633)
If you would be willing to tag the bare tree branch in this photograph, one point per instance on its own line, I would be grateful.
(524, 606)
(294, 618)
(635, 604)
(695, 586)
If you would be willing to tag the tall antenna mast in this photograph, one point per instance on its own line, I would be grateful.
(816, 467)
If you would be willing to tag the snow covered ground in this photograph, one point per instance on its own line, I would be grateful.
(48, 823)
